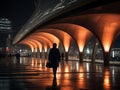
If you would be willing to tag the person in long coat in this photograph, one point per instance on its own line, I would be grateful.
(54, 58)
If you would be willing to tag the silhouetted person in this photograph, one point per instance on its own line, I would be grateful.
(17, 57)
(54, 58)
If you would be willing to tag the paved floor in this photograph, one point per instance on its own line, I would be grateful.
(31, 74)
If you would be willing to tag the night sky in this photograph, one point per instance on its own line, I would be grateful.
(17, 11)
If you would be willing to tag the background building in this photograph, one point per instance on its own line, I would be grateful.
(5, 36)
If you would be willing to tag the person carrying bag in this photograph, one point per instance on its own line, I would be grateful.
(53, 59)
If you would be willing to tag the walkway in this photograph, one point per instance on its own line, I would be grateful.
(31, 74)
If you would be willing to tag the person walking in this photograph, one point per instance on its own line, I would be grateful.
(54, 58)
(18, 57)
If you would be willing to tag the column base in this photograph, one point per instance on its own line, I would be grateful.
(66, 56)
(106, 58)
(81, 57)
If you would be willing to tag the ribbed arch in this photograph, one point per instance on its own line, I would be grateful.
(39, 45)
(80, 34)
(51, 37)
(30, 45)
(33, 44)
(104, 26)
(44, 44)
(45, 41)
(64, 37)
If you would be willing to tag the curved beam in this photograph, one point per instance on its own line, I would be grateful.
(104, 26)
(26, 43)
(64, 37)
(33, 44)
(80, 34)
(45, 41)
(51, 37)
(44, 44)
(39, 45)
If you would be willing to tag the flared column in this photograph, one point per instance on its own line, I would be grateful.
(94, 51)
(45, 54)
(81, 56)
(40, 54)
(36, 54)
(66, 55)
(106, 58)
(32, 54)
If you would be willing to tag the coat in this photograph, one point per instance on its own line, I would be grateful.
(54, 57)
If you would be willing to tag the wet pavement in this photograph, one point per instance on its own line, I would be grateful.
(31, 74)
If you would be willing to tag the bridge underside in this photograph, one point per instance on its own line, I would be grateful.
(76, 22)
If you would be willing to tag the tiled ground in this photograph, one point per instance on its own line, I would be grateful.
(31, 74)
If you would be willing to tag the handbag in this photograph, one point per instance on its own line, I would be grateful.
(48, 65)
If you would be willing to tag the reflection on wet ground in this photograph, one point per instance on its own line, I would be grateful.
(31, 74)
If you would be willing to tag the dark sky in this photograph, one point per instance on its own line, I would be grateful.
(17, 11)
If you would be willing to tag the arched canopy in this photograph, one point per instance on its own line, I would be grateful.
(104, 26)
(29, 44)
(80, 34)
(64, 37)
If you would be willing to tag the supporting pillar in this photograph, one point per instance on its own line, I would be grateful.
(106, 58)
(40, 54)
(66, 55)
(94, 51)
(32, 54)
(81, 56)
(45, 54)
(36, 54)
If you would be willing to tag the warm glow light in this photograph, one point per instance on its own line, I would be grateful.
(41, 39)
(45, 48)
(30, 45)
(51, 37)
(82, 36)
(81, 48)
(40, 49)
(32, 64)
(63, 36)
(66, 41)
(33, 44)
(79, 33)
(81, 76)
(106, 79)
(108, 35)
(32, 49)
(66, 70)
(39, 45)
